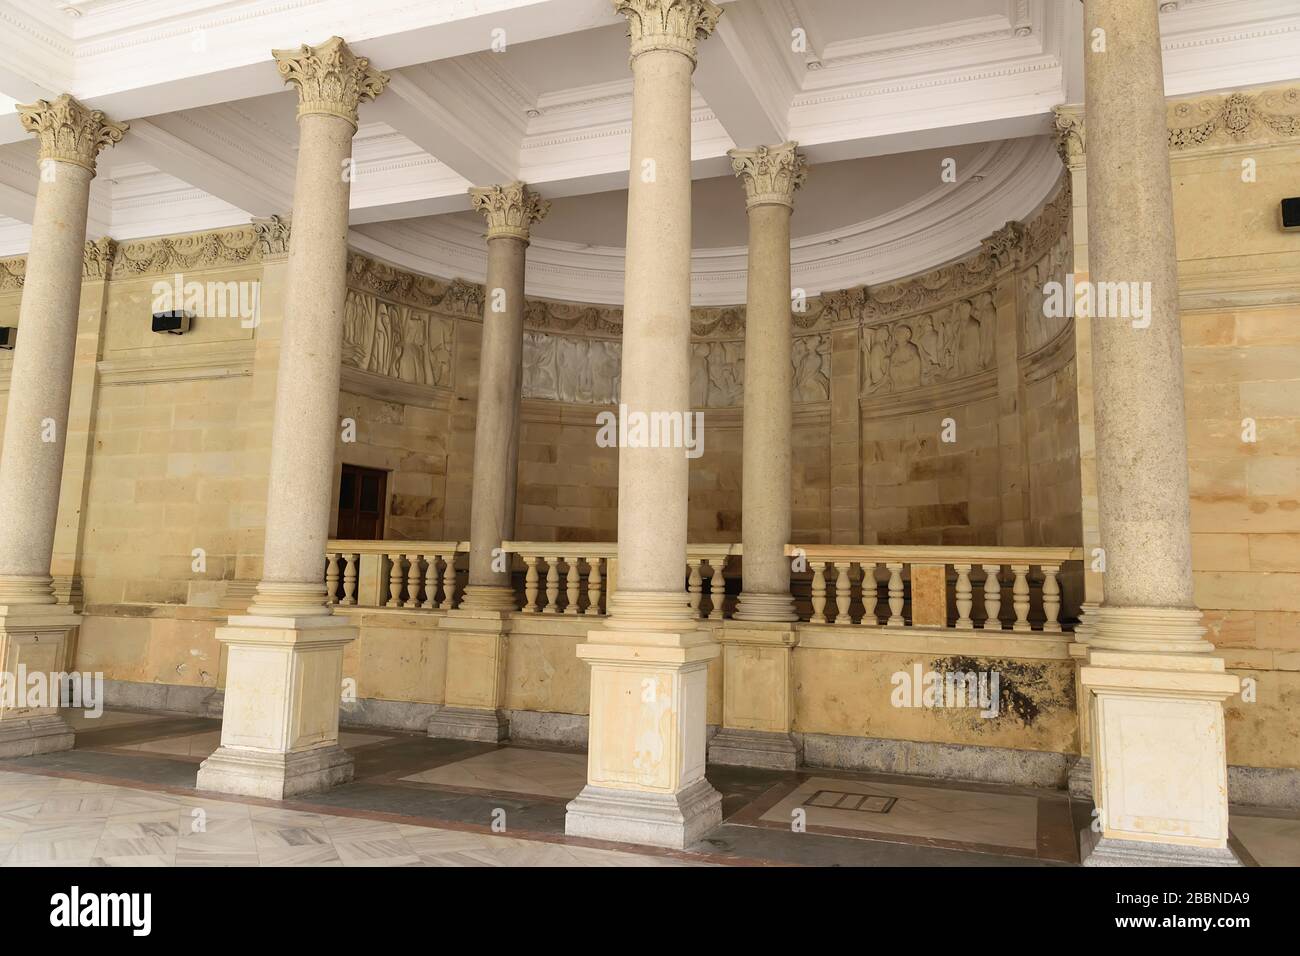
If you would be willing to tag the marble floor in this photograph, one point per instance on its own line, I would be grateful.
(125, 797)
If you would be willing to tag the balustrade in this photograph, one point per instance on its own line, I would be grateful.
(872, 586)
(412, 575)
(963, 588)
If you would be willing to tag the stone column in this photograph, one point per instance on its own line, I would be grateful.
(1159, 768)
(477, 631)
(646, 748)
(34, 631)
(757, 711)
(279, 733)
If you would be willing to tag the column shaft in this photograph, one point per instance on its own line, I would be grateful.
(653, 482)
(496, 444)
(307, 388)
(1141, 430)
(36, 420)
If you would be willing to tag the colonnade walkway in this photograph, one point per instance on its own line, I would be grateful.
(125, 796)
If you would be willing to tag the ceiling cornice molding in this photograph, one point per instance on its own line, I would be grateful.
(1004, 182)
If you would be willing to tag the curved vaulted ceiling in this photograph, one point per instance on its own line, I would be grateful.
(877, 94)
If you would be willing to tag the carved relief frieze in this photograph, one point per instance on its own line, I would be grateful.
(587, 370)
(947, 344)
(1037, 327)
(97, 258)
(397, 340)
(12, 273)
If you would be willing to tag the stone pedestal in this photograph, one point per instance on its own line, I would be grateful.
(646, 744)
(33, 643)
(280, 724)
(757, 697)
(1158, 771)
(474, 693)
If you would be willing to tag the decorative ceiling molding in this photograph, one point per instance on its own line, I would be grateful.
(1004, 182)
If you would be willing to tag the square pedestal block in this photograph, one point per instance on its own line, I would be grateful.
(1158, 755)
(34, 641)
(757, 697)
(280, 720)
(646, 749)
(474, 693)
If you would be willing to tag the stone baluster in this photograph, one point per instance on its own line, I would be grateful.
(1020, 597)
(350, 561)
(530, 583)
(819, 593)
(694, 584)
(413, 578)
(964, 597)
(593, 586)
(1051, 598)
(717, 588)
(992, 597)
(571, 583)
(431, 583)
(843, 594)
(552, 585)
(895, 593)
(395, 580)
(449, 583)
(331, 577)
(868, 587)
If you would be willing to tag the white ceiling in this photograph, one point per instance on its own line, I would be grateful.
(880, 92)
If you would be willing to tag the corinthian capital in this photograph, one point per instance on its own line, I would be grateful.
(510, 209)
(330, 78)
(771, 174)
(1070, 134)
(668, 24)
(68, 131)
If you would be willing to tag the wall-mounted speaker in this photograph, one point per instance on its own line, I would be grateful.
(1291, 213)
(177, 322)
(8, 336)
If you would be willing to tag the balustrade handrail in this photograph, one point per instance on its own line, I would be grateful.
(935, 553)
(390, 545)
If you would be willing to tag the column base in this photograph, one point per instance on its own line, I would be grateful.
(27, 736)
(1097, 850)
(469, 723)
(274, 776)
(488, 597)
(674, 820)
(767, 750)
(765, 607)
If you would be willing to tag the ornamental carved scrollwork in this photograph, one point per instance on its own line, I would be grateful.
(1235, 118)
(204, 250)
